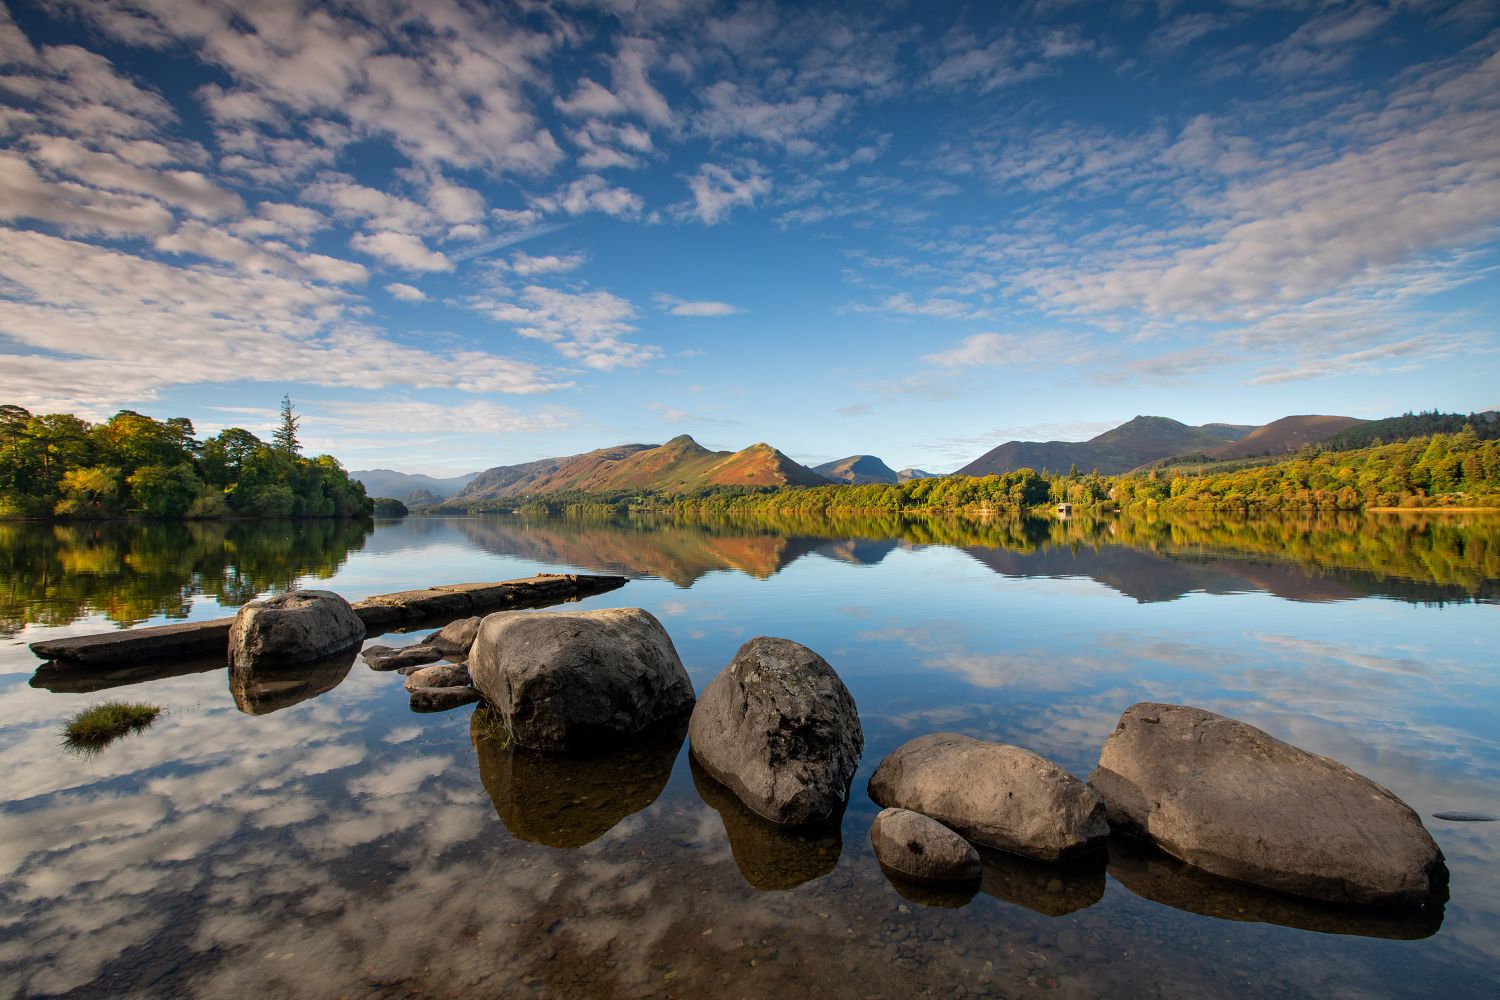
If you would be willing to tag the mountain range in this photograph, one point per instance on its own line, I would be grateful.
(680, 465)
(1120, 449)
(683, 465)
(406, 486)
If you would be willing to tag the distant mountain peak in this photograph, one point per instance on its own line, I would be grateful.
(858, 469)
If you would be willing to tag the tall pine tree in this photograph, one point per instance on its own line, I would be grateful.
(285, 436)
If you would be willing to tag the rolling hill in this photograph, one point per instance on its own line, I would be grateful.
(1120, 449)
(1284, 435)
(906, 474)
(858, 469)
(680, 465)
(402, 486)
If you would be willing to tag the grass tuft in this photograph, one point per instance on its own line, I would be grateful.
(93, 729)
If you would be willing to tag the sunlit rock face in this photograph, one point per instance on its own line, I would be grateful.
(771, 856)
(1238, 803)
(994, 794)
(577, 679)
(296, 627)
(573, 799)
(779, 728)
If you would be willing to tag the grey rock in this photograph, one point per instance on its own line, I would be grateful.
(920, 847)
(455, 637)
(563, 680)
(296, 627)
(441, 699)
(778, 728)
(386, 658)
(993, 794)
(439, 675)
(1463, 816)
(1236, 802)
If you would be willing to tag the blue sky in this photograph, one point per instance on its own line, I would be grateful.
(462, 235)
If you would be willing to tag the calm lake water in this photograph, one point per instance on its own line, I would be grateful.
(341, 845)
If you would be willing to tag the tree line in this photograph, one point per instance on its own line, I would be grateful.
(60, 465)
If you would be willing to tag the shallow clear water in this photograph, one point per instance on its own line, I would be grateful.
(343, 845)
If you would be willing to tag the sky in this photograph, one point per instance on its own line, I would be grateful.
(461, 235)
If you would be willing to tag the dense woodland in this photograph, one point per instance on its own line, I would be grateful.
(59, 465)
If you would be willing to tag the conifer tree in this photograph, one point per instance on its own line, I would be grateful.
(285, 436)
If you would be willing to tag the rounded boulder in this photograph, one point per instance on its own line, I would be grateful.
(919, 847)
(296, 627)
(567, 680)
(1239, 803)
(993, 794)
(778, 728)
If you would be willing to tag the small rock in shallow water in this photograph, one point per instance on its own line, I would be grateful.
(439, 675)
(385, 658)
(920, 847)
(442, 699)
(1465, 817)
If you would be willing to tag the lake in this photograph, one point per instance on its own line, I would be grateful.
(337, 844)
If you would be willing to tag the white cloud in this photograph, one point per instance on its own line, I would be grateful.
(592, 193)
(89, 329)
(405, 293)
(730, 110)
(717, 192)
(406, 416)
(684, 307)
(934, 307)
(525, 265)
(588, 327)
(1013, 350)
(402, 250)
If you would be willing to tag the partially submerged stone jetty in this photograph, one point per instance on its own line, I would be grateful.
(382, 613)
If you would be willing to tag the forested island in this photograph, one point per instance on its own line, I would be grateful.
(60, 465)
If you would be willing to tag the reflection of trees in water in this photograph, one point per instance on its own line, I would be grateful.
(53, 574)
(1154, 558)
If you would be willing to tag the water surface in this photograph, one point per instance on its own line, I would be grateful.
(337, 844)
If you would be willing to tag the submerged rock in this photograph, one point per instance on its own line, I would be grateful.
(296, 627)
(993, 794)
(1053, 889)
(920, 847)
(1238, 803)
(441, 699)
(567, 680)
(455, 637)
(780, 730)
(571, 799)
(770, 856)
(388, 658)
(439, 675)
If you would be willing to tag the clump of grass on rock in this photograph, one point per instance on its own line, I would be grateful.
(93, 729)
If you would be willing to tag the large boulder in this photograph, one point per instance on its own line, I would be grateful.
(455, 637)
(779, 729)
(439, 675)
(993, 794)
(566, 680)
(1228, 798)
(296, 627)
(920, 847)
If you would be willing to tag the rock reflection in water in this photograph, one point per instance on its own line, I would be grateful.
(265, 689)
(571, 799)
(1152, 874)
(944, 895)
(771, 857)
(83, 678)
(1049, 889)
